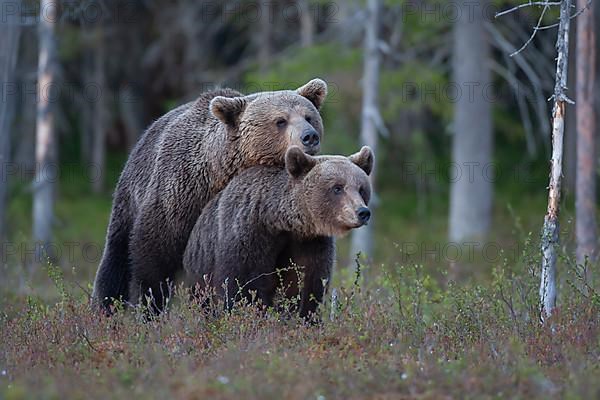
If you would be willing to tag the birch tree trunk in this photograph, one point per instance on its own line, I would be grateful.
(43, 195)
(585, 196)
(264, 36)
(362, 238)
(550, 230)
(471, 192)
(99, 139)
(9, 45)
(306, 23)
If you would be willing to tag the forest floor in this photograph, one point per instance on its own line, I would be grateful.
(406, 337)
(419, 323)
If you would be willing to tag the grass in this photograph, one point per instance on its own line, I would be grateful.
(403, 334)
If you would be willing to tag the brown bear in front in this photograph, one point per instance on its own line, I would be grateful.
(268, 217)
(184, 159)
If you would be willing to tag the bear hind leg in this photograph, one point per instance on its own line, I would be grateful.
(114, 272)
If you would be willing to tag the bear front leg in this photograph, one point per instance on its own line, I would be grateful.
(315, 257)
(233, 285)
(154, 260)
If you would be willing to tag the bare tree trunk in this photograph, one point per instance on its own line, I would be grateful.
(130, 114)
(99, 139)
(596, 11)
(570, 156)
(10, 31)
(585, 206)
(362, 238)
(24, 148)
(264, 35)
(43, 197)
(86, 111)
(471, 192)
(306, 23)
(550, 230)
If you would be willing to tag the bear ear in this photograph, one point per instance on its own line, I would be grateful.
(315, 91)
(297, 162)
(364, 159)
(228, 109)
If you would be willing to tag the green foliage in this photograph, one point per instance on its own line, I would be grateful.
(336, 64)
(415, 86)
(56, 276)
(404, 333)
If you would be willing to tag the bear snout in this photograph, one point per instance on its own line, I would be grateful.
(311, 140)
(363, 214)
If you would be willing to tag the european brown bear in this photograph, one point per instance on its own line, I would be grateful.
(268, 217)
(183, 160)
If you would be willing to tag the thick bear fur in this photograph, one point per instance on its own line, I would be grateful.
(270, 218)
(183, 160)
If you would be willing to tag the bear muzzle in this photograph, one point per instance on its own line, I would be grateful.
(363, 214)
(311, 141)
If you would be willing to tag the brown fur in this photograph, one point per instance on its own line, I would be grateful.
(181, 162)
(268, 216)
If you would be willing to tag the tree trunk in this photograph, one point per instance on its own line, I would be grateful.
(131, 116)
(570, 156)
(43, 197)
(264, 36)
(306, 23)
(585, 199)
(550, 230)
(596, 17)
(85, 117)
(471, 191)
(99, 139)
(9, 45)
(25, 129)
(362, 238)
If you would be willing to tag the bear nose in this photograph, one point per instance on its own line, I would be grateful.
(310, 138)
(363, 215)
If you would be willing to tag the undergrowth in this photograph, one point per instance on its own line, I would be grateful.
(402, 335)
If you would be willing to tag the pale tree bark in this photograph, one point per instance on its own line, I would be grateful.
(306, 23)
(471, 192)
(99, 139)
(362, 238)
(10, 31)
(585, 196)
(44, 184)
(264, 35)
(550, 230)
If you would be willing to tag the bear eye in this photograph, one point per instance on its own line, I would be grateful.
(281, 122)
(338, 189)
(308, 119)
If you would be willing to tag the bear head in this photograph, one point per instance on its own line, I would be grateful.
(333, 190)
(264, 125)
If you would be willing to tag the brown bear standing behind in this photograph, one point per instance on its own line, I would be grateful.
(268, 216)
(180, 163)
